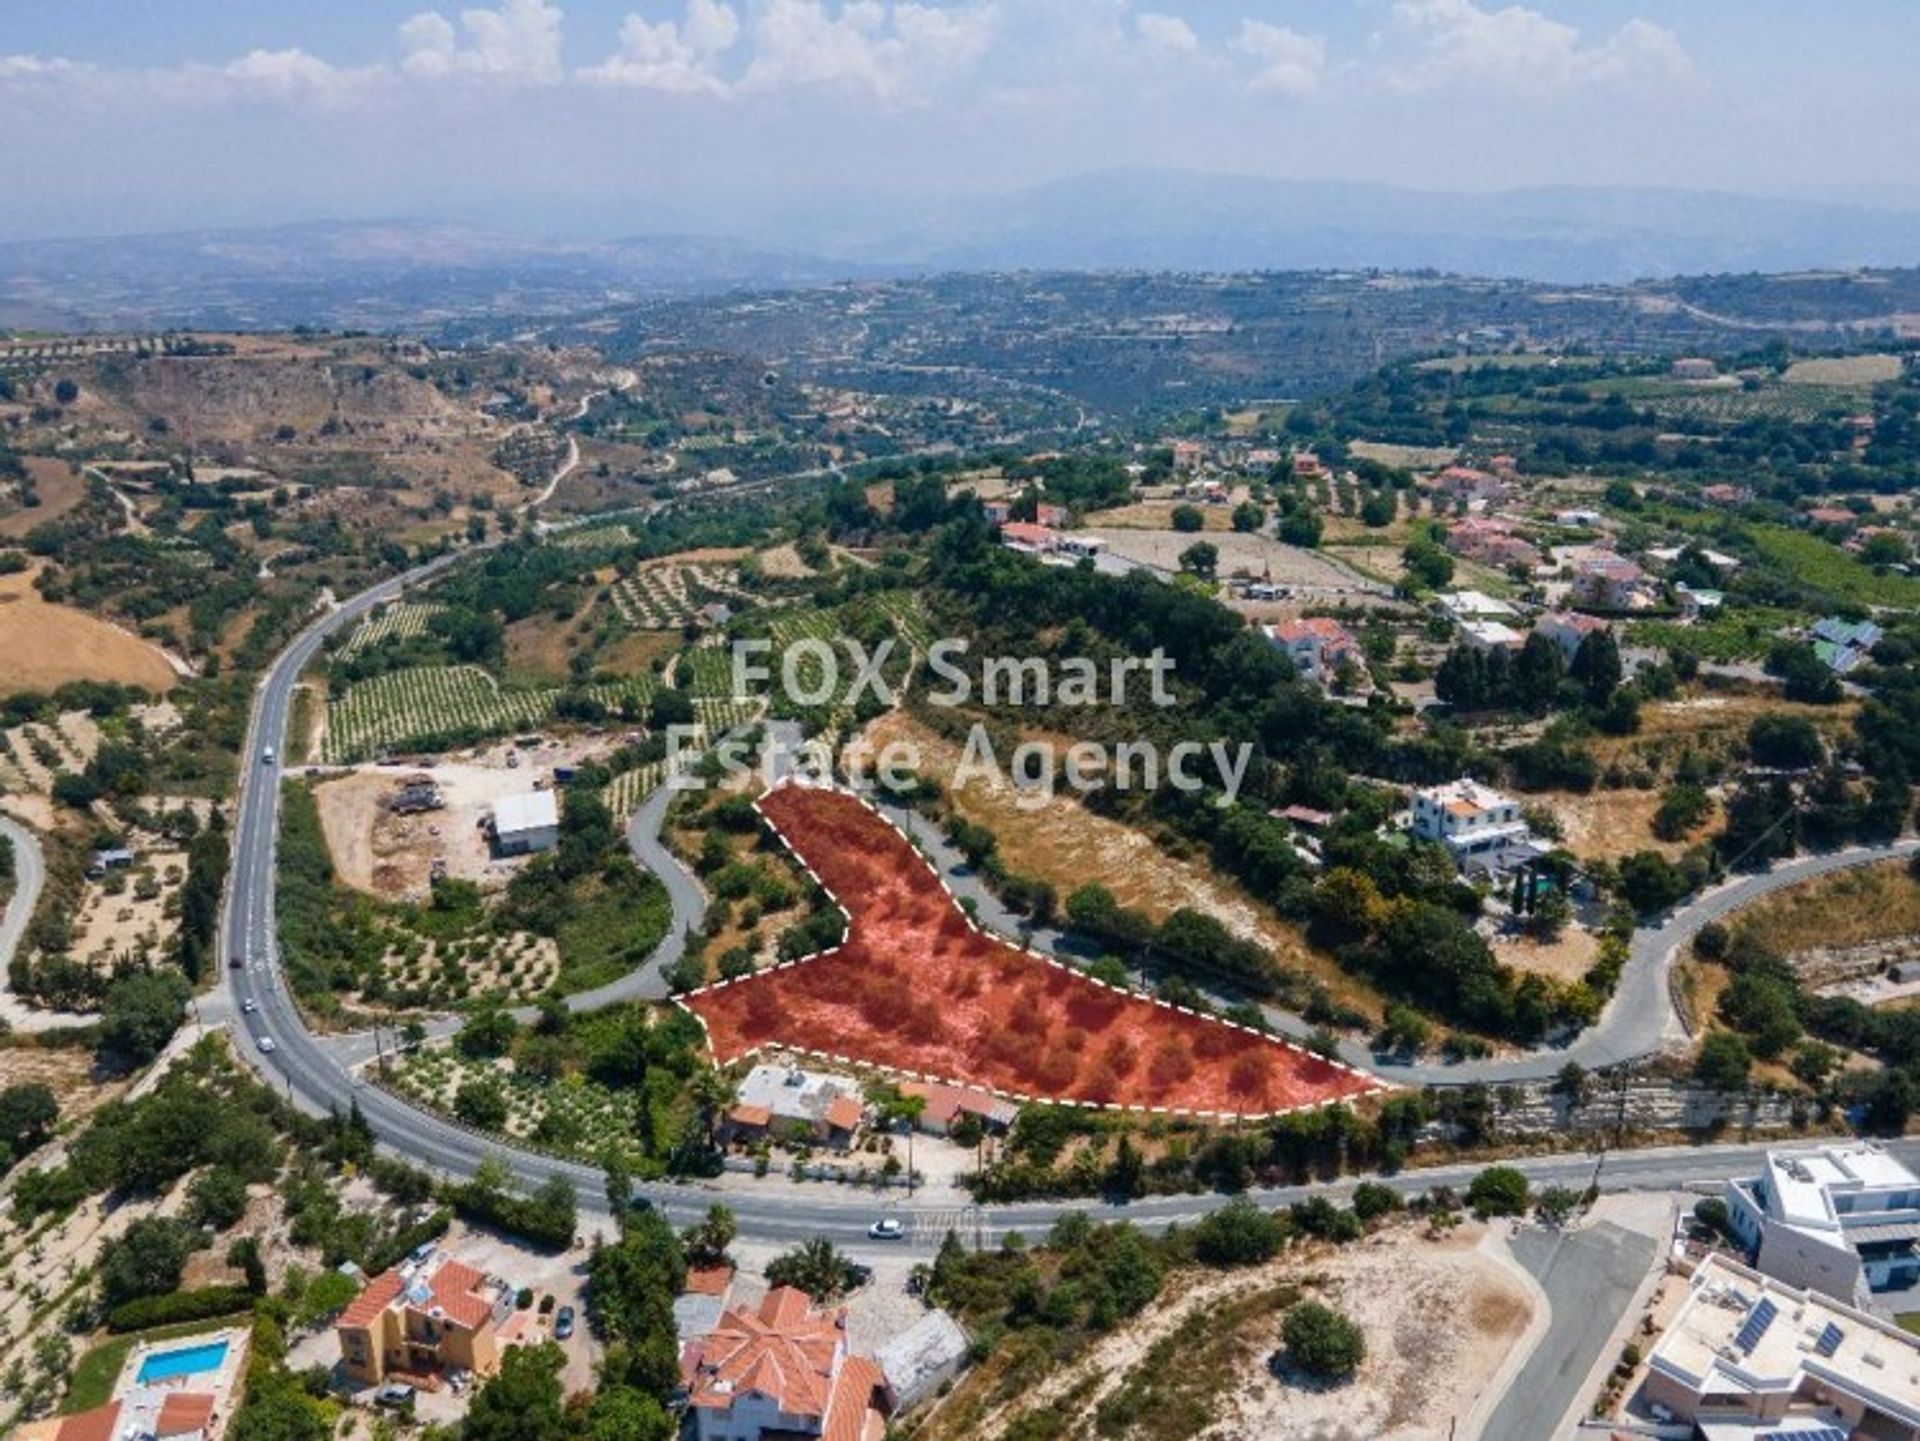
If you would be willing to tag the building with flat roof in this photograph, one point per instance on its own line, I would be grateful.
(1469, 819)
(784, 1099)
(1750, 1358)
(525, 823)
(1840, 1218)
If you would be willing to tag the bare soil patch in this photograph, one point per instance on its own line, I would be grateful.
(60, 486)
(44, 646)
(1440, 1317)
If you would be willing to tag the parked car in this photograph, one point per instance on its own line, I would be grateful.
(887, 1229)
(563, 1323)
(396, 1394)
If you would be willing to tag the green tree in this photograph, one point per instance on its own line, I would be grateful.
(1321, 1342)
(1498, 1191)
(706, 1243)
(1188, 519)
(1723, 1063)
(1248, 517)
(814, 1266)
(1202, 559)
(147, 1261)
(140, 1014)
(1239, 1233)
(523, 1402)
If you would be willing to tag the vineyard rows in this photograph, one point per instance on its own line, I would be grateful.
(402, 620)
(664, 597)
(715, 717)
(430, 703)
(594, 537)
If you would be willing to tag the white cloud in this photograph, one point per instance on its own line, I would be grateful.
(1458, 42)
(1166, 32)
(1284, 60)
(35, 67)
(893, 52)
(666, 56)
(293, 74)
(519, 42)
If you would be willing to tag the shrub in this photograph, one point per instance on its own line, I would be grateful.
(179, 1306)
(1498, 1191)
(1322, 1342)
(1240, 1233)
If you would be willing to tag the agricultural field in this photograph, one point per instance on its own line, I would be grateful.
(593, 537)
(402, 620)
(715, 716)
(915, 989)
(43, 646)
(439, 705)
(666, 597)
(583, 1118)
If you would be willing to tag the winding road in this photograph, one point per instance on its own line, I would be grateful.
(316, 1073)
(29, 874)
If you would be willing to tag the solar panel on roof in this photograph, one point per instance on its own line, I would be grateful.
(1830, 1340)
(1756, 1325)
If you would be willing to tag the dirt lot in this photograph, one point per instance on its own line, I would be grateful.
(1440, 1318)
(43, 646)
(1567, 959)
(1251, 555)
(1606, 825)
(1847, 908)
(391, 856)
(60, 487)
(115, 919)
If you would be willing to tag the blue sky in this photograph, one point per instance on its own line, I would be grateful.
(740, 116)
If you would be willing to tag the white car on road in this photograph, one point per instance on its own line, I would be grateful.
(265, 1043)
(889, 1229)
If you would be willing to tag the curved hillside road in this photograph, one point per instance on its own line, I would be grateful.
(1638, 1021)
(314, 1077)
(29, 874)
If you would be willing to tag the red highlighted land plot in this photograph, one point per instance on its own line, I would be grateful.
(914, 988)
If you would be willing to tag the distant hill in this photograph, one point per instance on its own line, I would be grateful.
(418, 274)
(1179, 220)
(371, 274)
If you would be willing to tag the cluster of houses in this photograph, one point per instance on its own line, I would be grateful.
(1799, 1341)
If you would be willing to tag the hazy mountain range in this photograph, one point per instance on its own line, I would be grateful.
(401, 273)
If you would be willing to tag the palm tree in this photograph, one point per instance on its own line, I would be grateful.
(814, 1267)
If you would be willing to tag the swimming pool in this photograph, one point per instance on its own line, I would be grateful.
(186, 1361)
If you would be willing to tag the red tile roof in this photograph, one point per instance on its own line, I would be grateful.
(95, 1425)
(708, 1280)
(184, 1413)
(750, 1116)
(379, 1295)
(455, 1289)
(851, 1414)
(843, 1113)
(1025, 533)
(786, 1351)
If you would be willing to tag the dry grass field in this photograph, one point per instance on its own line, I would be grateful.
(60, 487)
(43, 646)
(1066, 845)
(1846, 908)
(1844, 372)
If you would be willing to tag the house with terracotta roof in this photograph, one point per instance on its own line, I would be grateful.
(1610, 582)
(1491, 541)
(782, 1370)
(1475, 487)
(1317, 645)
(787, 1099)
(1025, 535)
(945, 1105)
(101, 1423)
(422, 1319)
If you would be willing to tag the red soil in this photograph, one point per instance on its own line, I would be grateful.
(915, 988)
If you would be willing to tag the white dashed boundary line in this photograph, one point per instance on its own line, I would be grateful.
(1372, 1083)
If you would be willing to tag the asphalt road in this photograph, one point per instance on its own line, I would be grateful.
(256, 1003)
(1589, 1277)
(29, 874)
(1638, 1021)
